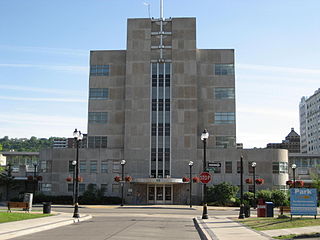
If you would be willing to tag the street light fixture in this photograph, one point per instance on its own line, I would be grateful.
(74, 163)
(294, 166)
(241, 214)
(77, 135)
(123, 162)
(204, 137)
(253, 165)
(190, 182)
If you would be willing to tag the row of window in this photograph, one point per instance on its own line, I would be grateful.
(224, 93)
(99, 70)
(93, 166)
(98, 93)
(47, 187)
(97, 142)
(224, 69)
(224, 118)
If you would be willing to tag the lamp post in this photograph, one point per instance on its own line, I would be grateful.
(241, 214)
(190, 166)
(294, 166)
(253, 165)
(77, 138)
(204, 137)
(34, 178)
(123, 162)
(74, 163)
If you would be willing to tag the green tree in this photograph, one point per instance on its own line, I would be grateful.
(222, 194)
(248, 198)
(279, 198)
(265, 195)
(7, 179)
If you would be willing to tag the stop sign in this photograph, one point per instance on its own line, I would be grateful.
(205, 177)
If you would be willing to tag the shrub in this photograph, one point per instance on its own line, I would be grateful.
(222, 194)
(265, 195)
(279, 198)
(248, 198)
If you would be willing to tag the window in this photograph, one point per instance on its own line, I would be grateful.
(70, 187)
(224, 118)
(224, 93)
(98, 93)
(99, 70)
(71, 167)
(104, 166)
(228, 167)
(279, 167)
(45, 187)
(225, 141)
(82, 187)
(93, 166)
(116, 167)
(250, 168)
(115, 187)
(224, 69)
(98, 117)
(83, 166)
(104, 189)
(238, 166)
(97, 142)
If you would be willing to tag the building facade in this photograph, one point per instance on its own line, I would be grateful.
(309, 112)
(291, 143)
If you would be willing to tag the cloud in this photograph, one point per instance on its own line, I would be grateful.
(43, 99)
(68, 68)
(58, 51)
(42, 90)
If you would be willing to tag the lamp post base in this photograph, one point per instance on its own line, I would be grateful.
(205, 212)
(241, 214)
(76, 211)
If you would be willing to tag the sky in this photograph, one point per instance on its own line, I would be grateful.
(44, 59)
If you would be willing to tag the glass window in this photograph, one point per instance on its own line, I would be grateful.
(115, 187)
(93, 166)
(71, 167)
(250, 168)
(98, 117)
(225, 141)
(82, 187)
(45, 187)
(217, 169)
(70, 187)
(99, 70)
(224, 93)
(224, 118)
(224, 69)
(98, 93)
(238, 166)
(97, 142)
(229, 167)
(116, 167)
(104, 189)
(83, 166)
(104, 166)
(279, 167)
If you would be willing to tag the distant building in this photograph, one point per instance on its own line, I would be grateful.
(291, 143)
(309, 110)
(69, 142)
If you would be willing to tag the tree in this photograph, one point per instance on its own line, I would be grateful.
(265, 195)
(222, 194)
(279, 198)
(7, 179)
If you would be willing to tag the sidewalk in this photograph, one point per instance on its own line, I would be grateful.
(19, 228)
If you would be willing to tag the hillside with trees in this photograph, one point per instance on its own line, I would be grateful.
(23, 144)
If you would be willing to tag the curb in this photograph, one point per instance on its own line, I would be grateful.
(43, 227)
(201, 228)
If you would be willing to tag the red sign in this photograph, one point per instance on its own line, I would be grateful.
(205, 177)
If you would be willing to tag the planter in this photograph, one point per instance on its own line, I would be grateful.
(39, 178)
(128, 178)
(80, 179)
(69, 179)
(299, 183)
(249, 181)
(117, 178)
(260, 181)
(30, 178)
(289, 182)
(185, 179)
(195, 180)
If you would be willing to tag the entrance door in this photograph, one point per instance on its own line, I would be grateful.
(160, 194)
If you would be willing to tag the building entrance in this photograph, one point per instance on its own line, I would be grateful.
(160, 194)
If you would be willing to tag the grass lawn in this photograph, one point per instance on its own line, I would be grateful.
(9, 217)
(294, 236)
(261, 224)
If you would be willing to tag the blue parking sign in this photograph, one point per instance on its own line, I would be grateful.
(303, 201)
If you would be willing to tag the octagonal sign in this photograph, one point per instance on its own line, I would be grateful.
(205, 177)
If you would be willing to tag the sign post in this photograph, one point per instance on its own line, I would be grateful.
(205, 177)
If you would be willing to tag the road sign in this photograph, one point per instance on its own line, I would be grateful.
(205, 177)
(211, 164)
(210, 169)
(303, 201)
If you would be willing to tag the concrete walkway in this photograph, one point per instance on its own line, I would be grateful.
(19, 228)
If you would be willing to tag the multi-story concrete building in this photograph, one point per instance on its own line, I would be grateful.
(291, 142)
(309, 110)
(149, 104)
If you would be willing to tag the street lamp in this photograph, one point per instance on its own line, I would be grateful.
(77, 138)
(190, 165)
(294, 166)
(123, 162)
(241, 214)
(74, 181)
(34, 178)
(204, 137)
(253, 165)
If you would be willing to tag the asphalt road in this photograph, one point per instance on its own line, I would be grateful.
(127, 223)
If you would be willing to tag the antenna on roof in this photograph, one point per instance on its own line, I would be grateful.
(161, 9)
(147, 4)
